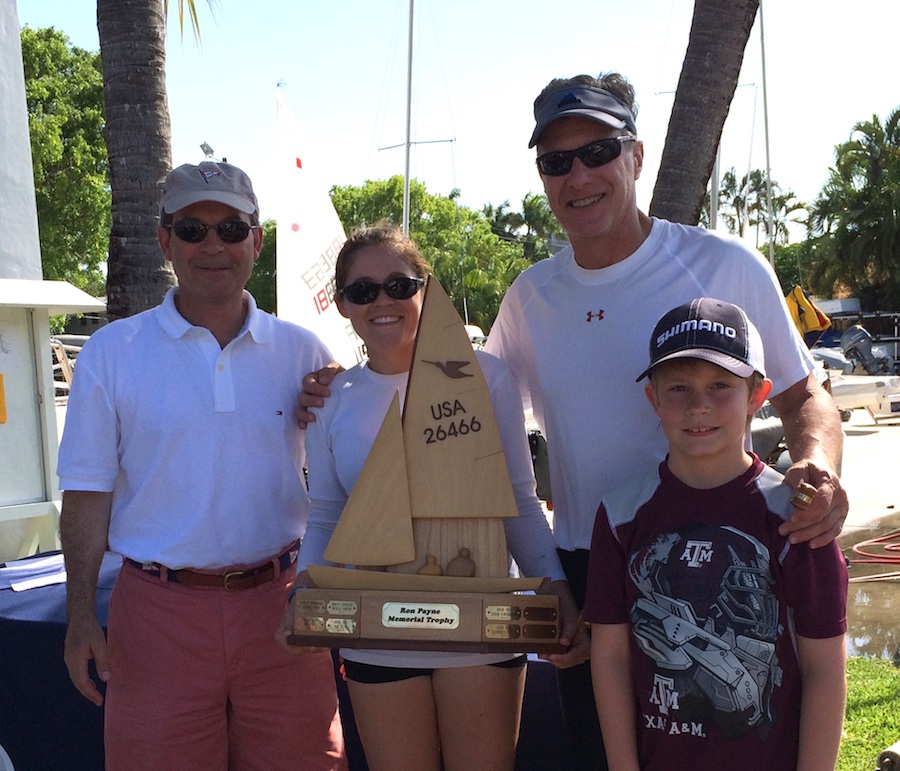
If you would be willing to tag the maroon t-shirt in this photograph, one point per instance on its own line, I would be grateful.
(715, 597)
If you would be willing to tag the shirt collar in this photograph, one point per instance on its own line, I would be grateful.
(258, 324)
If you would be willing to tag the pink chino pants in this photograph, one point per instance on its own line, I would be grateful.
(197, 681)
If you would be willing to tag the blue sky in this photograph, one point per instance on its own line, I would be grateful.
(478, 65)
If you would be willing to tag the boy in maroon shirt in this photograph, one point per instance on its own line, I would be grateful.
(715, 643)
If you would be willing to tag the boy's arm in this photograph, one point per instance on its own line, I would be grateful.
(822, 669)
(614, 693)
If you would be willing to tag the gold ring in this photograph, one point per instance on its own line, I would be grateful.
(801, 500)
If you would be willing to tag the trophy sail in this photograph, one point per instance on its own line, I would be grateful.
(375, 527)
(455, 457)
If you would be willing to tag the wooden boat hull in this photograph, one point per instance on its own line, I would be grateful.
(327, 577)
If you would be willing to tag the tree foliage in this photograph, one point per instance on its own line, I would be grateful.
(473, 264)
(793, 263)
(855, 220)
(534, 227)
(743, 206)
(262, 281)
(64, 96)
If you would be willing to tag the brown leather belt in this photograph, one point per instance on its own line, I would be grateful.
(230, 580)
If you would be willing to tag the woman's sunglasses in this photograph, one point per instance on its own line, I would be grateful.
(194, 231)
(595, 154)
(365, 292)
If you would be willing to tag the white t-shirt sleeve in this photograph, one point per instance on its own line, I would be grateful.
(528, 536)
(503, 342)
(327, 494)
(88, 453)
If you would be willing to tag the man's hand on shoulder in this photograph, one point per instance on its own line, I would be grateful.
(812, 428)
(315, 392)
(821, 521)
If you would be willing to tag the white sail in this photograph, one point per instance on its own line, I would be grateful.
(310, 235)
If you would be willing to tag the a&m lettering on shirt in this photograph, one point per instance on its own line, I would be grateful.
(696, 553)
(664, 694)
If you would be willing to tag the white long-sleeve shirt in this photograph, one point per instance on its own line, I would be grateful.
(338, 444)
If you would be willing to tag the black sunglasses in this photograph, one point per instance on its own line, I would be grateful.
(194, 231)
(595, 154)
(365, 292)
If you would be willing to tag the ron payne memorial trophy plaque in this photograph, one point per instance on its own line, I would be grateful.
(423, 528)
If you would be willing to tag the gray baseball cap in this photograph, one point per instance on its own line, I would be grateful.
(585, 102)
(210, 181)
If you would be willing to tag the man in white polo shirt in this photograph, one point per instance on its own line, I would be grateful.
(181, 453)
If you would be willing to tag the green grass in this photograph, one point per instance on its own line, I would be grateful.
(872, 720)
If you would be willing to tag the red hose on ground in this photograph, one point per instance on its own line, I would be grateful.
(884, 550)
(889, 554)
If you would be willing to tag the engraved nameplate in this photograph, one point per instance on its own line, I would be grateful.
(540, 632)
(340, 625)
(342, 608)
(502, 613)
(314, 623)
(307, 605)
(540, 614)
(501, 631)
(399, 615)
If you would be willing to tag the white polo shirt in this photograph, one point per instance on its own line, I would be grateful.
(198, 444)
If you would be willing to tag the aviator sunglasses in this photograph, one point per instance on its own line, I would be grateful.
(194, 231)
(595, 154)
(365, 292)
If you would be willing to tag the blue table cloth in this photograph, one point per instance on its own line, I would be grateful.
(45, 724)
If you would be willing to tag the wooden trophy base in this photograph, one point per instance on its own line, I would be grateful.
(424, 620)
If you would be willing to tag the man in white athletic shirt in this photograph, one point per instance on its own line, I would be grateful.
(573, 329)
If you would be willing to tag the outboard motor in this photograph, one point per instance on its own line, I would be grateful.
(856, 343)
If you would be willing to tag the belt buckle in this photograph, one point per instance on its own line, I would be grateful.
(233, 574)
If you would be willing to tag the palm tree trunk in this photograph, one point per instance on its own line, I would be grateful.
(132, 50)
(719, 33)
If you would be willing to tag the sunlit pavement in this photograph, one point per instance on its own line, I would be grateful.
(871, 476)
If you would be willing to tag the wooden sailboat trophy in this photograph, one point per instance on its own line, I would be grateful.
(423, 527)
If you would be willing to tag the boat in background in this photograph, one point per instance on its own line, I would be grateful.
(309, 237)
(879, 394)
(855, 367)
(861, 374)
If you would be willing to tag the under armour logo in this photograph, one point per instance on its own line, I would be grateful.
(451, 368)
(591, 316)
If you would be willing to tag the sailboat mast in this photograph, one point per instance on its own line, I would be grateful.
(408, 121)
(769, 211)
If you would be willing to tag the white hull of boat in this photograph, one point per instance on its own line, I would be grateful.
(879, 394)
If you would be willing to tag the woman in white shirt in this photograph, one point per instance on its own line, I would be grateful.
(414, 709)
